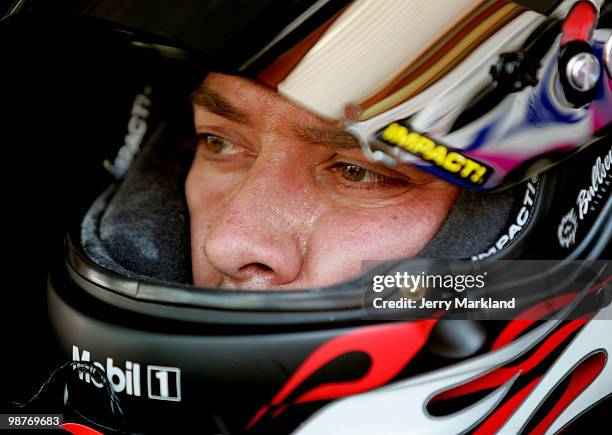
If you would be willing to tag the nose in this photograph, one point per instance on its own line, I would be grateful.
(256, 243)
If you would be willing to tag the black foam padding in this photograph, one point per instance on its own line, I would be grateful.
(144, 229)
(474, 223)
(90, 239)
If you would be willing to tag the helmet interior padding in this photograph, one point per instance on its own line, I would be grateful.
(141, 228)
(474, 223)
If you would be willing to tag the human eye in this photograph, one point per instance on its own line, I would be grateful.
(215, 145)
(220, 149)
(356, 176)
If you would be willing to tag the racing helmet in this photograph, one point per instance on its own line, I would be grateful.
(511, 101)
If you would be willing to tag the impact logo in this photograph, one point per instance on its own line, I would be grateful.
(520, 221)
(136, 130)
(449, 160)
(586, 201)
(163, 383)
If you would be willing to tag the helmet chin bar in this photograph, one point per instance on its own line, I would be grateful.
(196, 359)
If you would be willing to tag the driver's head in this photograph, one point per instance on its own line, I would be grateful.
(349, 141)
(280, 198)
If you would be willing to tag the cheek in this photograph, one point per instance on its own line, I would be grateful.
(375, 234)
(207, 190)
(206, 193)
(199, 194)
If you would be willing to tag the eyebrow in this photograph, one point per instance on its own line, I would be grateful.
(327, 135)
(217, 104)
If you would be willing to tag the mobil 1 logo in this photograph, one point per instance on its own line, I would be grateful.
(163, 383)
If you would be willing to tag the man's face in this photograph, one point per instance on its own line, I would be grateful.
(279, 198)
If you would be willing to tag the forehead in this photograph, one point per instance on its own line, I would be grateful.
(249, 104)
(251, 97)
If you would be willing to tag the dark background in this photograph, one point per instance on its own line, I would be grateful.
(65, 105)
